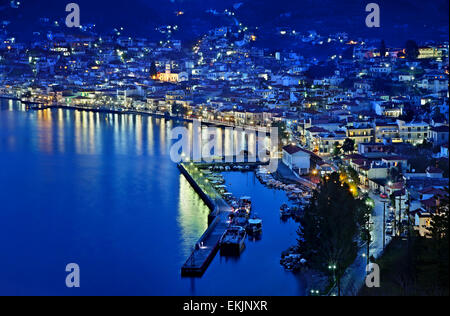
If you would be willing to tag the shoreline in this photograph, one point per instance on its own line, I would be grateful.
(298, 277)
(42, 106)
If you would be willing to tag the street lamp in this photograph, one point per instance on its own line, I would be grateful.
(333, 268)
(315, 292)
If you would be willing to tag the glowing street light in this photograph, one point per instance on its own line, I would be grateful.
(315, 292)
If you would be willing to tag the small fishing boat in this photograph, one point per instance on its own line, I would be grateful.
(246, 203)
(234, 204)
(232, 241)
(285, 211)
(254, 226)
(215, 178)
(240, 218)
(217, 182)
(227, 196)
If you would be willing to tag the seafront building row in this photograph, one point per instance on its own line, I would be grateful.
(379, 111)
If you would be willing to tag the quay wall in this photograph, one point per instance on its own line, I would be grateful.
(200, 192)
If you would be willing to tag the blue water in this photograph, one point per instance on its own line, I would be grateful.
(100, 190)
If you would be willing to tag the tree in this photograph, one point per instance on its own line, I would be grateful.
(320, 71)
(348, 83)
(439, 220)
(383, 85)
(337, 150)
(437, 115)
(283, 133)
(178, 110)
(353, 174)
(411, 50)
(348, 53)
(394, 174)
(419, 265)
(435, 255)
(153, 70)
(382, 49)
(408, 113)
(329, 229)
(349, 145)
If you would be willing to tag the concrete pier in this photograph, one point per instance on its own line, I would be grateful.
(206, 247)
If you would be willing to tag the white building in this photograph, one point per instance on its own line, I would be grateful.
(297, 159)
(413, 132)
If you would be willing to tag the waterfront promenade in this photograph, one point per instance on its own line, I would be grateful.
(38, 105)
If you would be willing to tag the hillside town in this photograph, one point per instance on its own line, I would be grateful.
(380, 113)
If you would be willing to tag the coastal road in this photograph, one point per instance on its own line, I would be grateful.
(376, 248)
(355, 275)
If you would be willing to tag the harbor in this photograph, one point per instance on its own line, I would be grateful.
(231, 218)
(224, 212)
(147, 237)
(213, 149)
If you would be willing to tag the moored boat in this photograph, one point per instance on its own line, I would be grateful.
(232, 241)
(254, 226)
(246, 203)
(285, 211)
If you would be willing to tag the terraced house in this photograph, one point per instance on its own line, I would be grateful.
(413, 132)
(360, 132)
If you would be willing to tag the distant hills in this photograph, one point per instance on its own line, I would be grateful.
(400, 19)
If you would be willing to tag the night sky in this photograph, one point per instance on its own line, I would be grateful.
(400, 20)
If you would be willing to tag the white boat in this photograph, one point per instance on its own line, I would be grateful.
(254, 226)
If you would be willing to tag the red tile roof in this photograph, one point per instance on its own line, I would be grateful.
(291, 149)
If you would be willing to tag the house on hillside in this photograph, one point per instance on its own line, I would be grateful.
(297, 159)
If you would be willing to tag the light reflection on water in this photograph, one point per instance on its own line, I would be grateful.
(88, 137)
(192, 217)
(100, 189)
